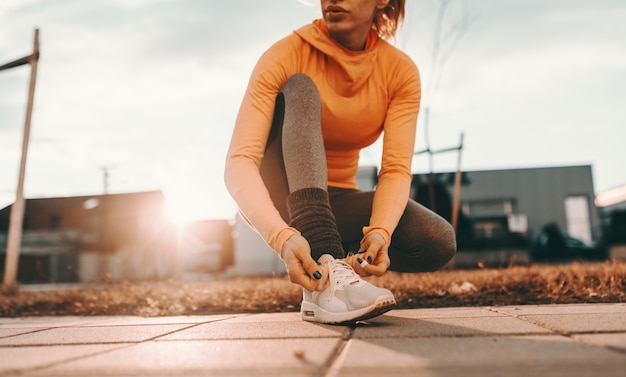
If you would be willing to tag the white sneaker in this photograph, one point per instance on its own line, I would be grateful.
(348, 298)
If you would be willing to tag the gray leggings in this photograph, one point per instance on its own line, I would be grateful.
(422, 241)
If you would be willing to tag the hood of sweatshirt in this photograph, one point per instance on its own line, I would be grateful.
(353, 68)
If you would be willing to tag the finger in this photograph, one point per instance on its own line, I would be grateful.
(381, 258)
(366, 254)
(323, 282)
(377, 268)
(298, 275)
(353, 261)
(364, 262)
(312, 268)
(366, 266)
(367, 257)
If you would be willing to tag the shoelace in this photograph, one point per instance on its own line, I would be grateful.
(342, 274)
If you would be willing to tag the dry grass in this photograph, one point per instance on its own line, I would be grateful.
(537, 284)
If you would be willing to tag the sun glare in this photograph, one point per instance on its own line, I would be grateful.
(182, 206)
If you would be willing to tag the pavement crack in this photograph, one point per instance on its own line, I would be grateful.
(333, 365)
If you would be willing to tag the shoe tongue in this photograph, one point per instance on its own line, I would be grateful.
(326, 258)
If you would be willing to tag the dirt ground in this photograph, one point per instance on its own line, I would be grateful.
(536, 284)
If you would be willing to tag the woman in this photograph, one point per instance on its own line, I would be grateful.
(314, 100)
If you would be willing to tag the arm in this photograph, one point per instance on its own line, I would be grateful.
(242, 176)
(394, 181)
(247, 146)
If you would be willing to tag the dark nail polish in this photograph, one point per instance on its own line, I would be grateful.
(317, 275)
(350, 253)
(369, 259)
(359, 260)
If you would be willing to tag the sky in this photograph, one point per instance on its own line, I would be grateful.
(148, 90)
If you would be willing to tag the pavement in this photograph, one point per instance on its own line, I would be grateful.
(550, 340)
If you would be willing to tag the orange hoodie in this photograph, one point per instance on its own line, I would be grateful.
(363, 93)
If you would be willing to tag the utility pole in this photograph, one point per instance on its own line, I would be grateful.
(456, 200)
(105, 171)
(16, 220)
(456, 197)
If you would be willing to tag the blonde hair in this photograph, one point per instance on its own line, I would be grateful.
(388, 20)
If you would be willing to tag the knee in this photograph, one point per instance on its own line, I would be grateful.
(428, 252)
(301, 88)
(299, 80)
(442, 247)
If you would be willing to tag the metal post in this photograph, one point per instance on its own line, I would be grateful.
(456, 197)
(17, 210)
(105, 170)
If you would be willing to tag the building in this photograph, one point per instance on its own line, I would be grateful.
(206, 246)
(612, 205)
(505, 212)
(96, 237)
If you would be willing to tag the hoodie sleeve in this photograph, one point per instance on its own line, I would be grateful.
(394, 181)
(247, 146)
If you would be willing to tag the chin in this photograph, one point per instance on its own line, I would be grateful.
(337, 26)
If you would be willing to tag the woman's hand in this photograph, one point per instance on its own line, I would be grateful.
(373, 256)
(302, 269)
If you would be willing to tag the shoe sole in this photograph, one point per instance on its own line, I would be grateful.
(313, 313)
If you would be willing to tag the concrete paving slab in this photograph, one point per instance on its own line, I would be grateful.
(23, 359)
(542, 340)
(261, 330)
(254, 372)
(580, 322)
(232, 357)
(28, 322)
(41, 322)
(614, 340)
(444, 313)
(4, 333)
(267, 317)
(561, 309)
(537, 370)
(526, 355)
(390, 326)
(173, 320)
(91, 335)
